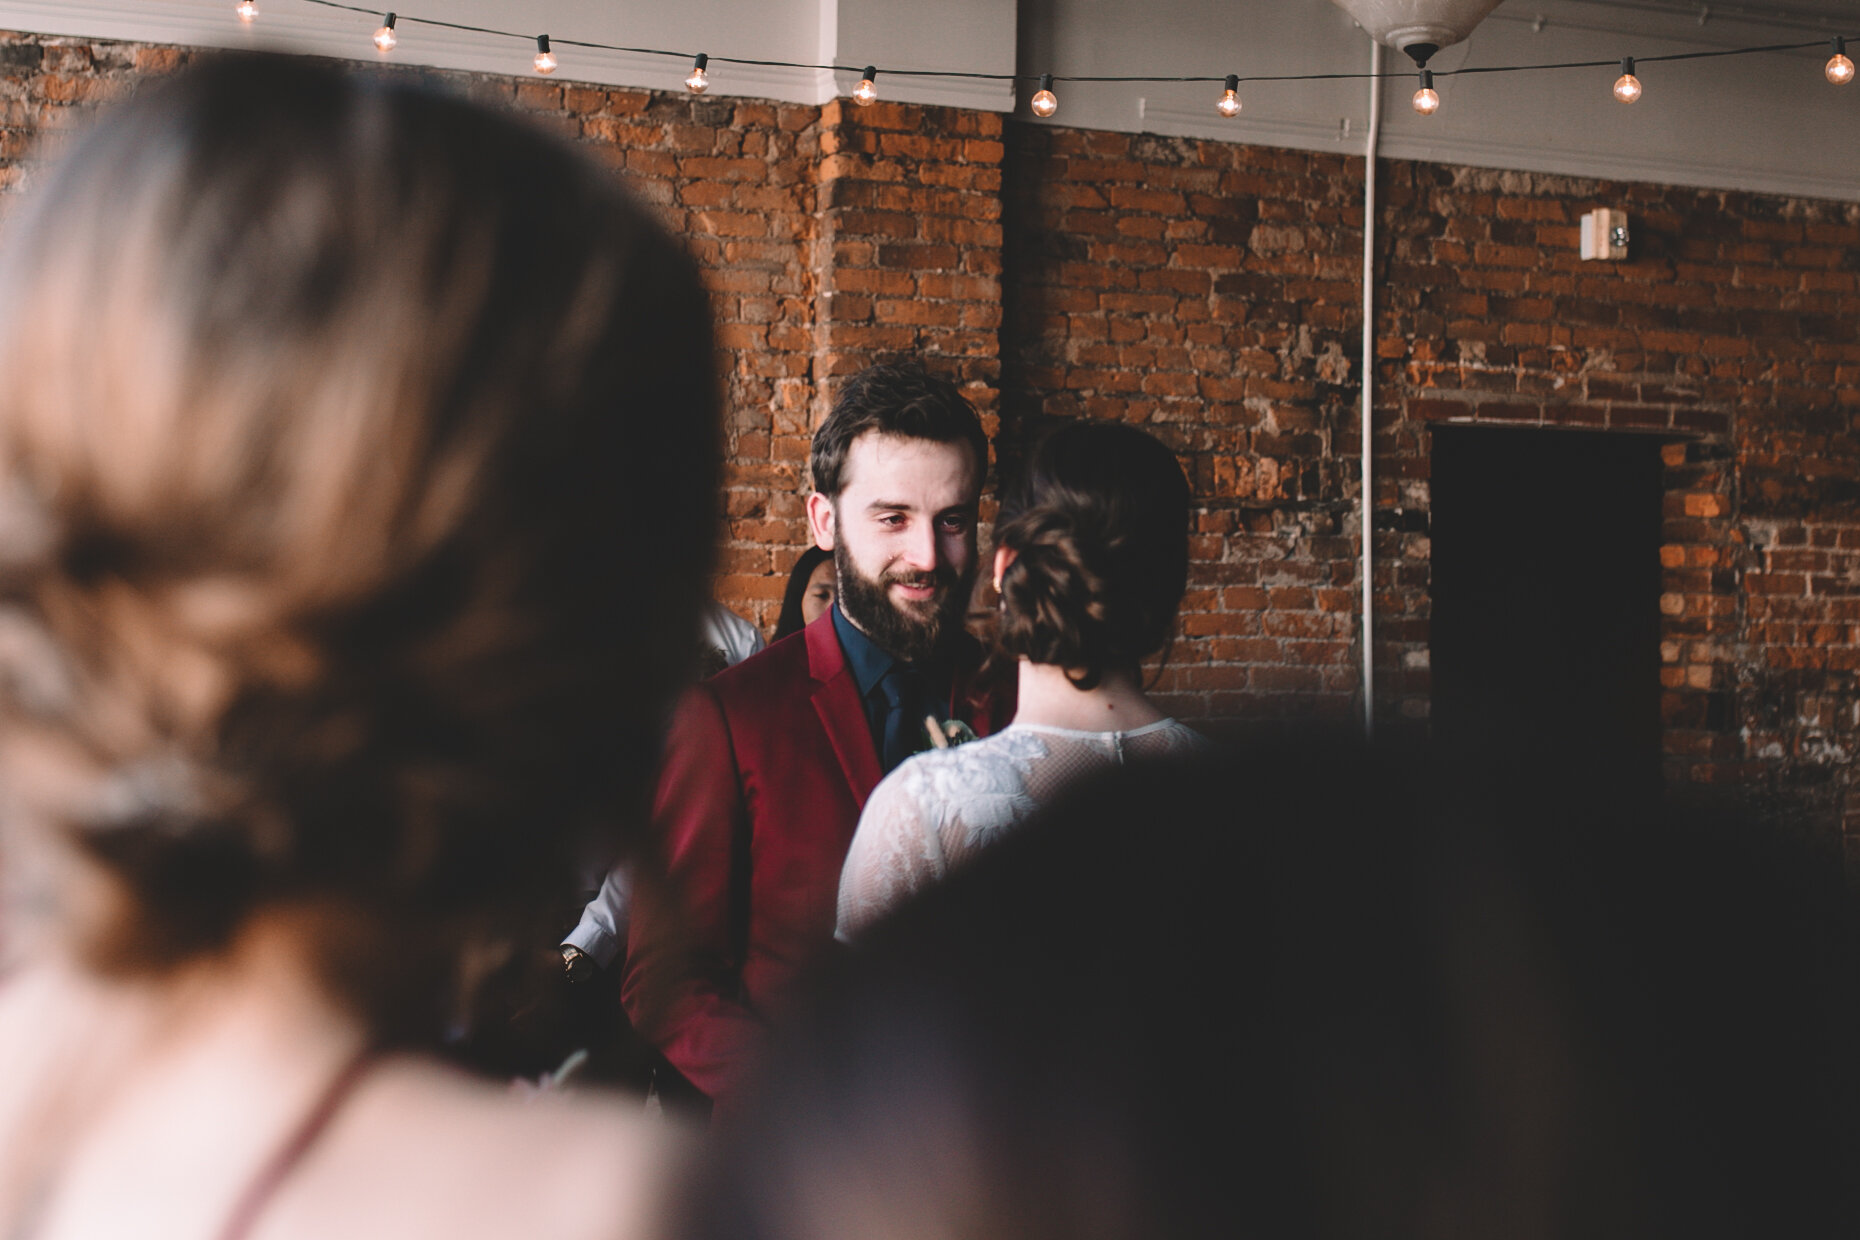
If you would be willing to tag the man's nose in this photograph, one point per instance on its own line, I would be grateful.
(920, 547)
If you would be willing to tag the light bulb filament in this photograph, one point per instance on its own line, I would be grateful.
(1627, 86)
(1427, 99)
(1044, 101)
(1229, 104)
(1840, 70)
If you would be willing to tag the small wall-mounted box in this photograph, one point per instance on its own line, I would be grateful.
(1605, 234)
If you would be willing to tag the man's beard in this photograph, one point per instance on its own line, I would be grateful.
(912, 635)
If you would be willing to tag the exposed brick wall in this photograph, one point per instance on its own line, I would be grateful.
(1732, 334)
(910, 241)
(1208, 291)
(47, 85)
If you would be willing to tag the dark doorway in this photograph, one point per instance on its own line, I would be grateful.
(1546, 591)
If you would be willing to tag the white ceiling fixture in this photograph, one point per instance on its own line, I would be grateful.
(1418, 27)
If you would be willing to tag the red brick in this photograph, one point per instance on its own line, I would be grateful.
(1214, 301)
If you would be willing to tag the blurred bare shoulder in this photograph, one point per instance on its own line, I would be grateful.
(428, 1151)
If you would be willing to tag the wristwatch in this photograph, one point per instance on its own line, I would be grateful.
(577, 965)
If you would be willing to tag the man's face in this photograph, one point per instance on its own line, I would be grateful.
(902, 533)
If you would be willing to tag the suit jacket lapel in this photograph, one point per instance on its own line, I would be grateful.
(842, 714)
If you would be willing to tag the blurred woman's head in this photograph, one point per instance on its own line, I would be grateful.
(331, 409)
(1092, 551)
(811, 586)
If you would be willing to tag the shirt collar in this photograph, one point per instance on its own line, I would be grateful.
(868, 662)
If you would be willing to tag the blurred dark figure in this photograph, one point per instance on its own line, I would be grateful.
(811, 587)
(328, 405)
(1312, 991)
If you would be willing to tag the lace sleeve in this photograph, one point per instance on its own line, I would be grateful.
(895, 851)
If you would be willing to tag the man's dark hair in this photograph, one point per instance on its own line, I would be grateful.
(894, 398)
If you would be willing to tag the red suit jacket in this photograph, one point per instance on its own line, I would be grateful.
(765, 770)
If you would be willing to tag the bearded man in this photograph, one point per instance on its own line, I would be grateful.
(768, 764)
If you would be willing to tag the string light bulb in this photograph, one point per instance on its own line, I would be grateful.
(246, 9)
(1045, 102)
(1627, 86)
(699, 80)
(1427, 99)
(1229, 106)
(545, 59)
(385, 38)
(865, 94)
(1840, 70)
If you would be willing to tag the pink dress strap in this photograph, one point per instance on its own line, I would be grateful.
(277, 1169)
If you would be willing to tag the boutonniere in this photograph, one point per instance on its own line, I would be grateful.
(947, 735)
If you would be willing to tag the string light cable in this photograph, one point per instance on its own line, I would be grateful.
(1838, 70)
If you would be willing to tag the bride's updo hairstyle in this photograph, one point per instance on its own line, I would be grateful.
(343, 426)
(1098, 529)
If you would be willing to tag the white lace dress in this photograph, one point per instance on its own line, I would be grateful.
(938, 809)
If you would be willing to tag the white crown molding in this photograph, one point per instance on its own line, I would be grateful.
(981, 96)
(1699, 174)
(1843, 186)
(1248, 130)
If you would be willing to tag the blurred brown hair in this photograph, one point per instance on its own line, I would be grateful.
(343, 426)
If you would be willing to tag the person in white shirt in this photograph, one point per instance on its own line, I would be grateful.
(1091, 562)
(729, 635)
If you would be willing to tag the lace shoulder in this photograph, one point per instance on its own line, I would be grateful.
(928, 816)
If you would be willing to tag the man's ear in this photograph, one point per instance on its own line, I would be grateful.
(820, 520)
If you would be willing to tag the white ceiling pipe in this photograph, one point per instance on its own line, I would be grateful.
(1366, 519)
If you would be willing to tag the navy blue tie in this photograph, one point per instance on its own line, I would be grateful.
(904, 714)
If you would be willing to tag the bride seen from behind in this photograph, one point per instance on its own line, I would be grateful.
(1091, 562)
(331, 408)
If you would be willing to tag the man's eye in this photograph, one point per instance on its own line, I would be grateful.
(955, 525)
(892, 519)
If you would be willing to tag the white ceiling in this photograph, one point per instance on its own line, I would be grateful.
(1765, 123)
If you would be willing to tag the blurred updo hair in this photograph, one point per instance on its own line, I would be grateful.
(1098, 528)
(332, 409)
